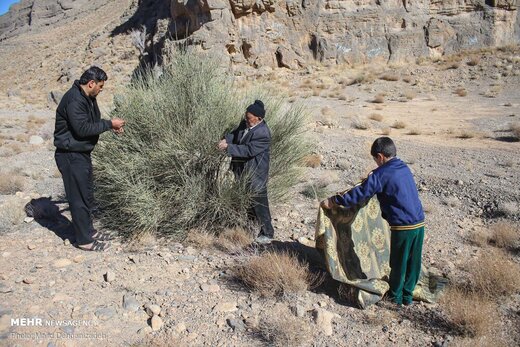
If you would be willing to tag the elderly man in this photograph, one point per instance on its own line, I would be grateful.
(249, 146)
(77, 129)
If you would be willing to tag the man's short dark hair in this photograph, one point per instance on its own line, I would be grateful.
(385, 146)
(93, 73)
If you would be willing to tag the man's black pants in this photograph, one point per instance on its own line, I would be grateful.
(260, 209)
(76, 171)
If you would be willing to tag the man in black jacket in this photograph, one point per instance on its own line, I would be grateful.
(77, 129)
(249, 146)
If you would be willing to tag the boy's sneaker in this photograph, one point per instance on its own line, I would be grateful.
(263, 240)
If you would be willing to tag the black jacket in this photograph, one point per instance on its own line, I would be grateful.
(78, 121)
(251, 154)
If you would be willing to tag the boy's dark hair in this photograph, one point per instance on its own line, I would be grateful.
(385, 146)
(93, 73)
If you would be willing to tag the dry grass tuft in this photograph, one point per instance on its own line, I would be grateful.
(11, 213)
(386, 131)
(505, 235)
(361, 124)
(473, 61)
(312, 160)
(453, 65)
(467, 134)
(284, 329)
(200, 239)
(472, 314)
(493, 274)
(376, 116)
(327, 111)
(275, 274)
(508, 208)
(478, 237)
(399, 125)
(10, 183)
(389, 77)
(22, 137)
(461, 91)
(379, 99)
(515, 129)
(409, 94)
(234, 240)
(415, 131)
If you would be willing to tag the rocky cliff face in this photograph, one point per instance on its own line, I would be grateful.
(290, 33)
(30, 15)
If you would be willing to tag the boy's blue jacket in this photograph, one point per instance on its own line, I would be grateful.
(394, 185)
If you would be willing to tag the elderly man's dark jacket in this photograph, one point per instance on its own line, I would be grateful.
(78, 121)
(251, 153)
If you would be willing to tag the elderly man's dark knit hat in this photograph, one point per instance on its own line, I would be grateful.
(257, 108)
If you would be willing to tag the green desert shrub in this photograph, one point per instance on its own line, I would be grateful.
(164, 175)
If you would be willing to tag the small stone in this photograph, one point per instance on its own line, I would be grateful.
(66, 242)
(78, 259)
(145, 330)
(28, 219)
(210, 288)
(62, 263)
(298, 310)
(109, 276)
(28, 280)
(130, 303)
(35, 140)
(225, 307)
(180, 328)
(31, 247)
(105, 313)
(153, 310)
(157, 323)
(323, 319)
(236, 324)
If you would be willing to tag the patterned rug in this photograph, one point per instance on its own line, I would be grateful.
(356, 245)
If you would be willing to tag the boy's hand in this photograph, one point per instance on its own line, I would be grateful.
(327, 203)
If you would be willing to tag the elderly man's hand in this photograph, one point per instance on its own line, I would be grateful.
(327, 203)
(222, 145)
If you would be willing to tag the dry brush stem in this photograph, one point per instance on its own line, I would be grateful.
(493, 274)
(472, 314)
(505, 235)
(313, 160)
(275, 274)
(284, 329)
(234, 240)
(10, 183)
(399, 125)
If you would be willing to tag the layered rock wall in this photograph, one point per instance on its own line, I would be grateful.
(291, 33)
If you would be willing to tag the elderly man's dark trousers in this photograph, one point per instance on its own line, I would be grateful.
(76, 171)
(260, 209)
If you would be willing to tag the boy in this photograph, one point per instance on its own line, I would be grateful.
(394, 185)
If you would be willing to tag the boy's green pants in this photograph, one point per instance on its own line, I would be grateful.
(405, 263)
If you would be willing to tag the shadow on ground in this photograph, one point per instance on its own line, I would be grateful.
(47, 213)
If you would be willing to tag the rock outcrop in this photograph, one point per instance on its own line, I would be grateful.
(33, 14)
(291, 33)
